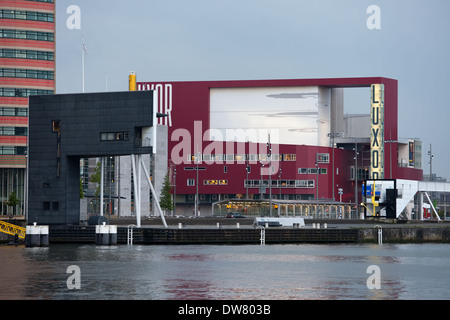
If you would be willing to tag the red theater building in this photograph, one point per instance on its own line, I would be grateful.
(27, 67)
(249, 146)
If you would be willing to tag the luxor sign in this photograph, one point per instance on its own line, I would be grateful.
(377, 132)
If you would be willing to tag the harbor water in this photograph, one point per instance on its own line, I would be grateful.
(224, 272)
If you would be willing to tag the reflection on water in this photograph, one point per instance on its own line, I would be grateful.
(408, 271)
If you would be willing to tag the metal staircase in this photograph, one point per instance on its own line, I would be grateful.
(12, 229)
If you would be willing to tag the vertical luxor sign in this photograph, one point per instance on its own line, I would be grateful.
(377, 132)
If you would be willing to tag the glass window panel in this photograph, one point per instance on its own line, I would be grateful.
(21, 131)
(31, 54)
(9, 14)
(8, 131)
(8, 33)
(21, 15)
(21, 73)
(21, 150)
(31, 15)
(20, 112)
(41, 55)
(32, 35)
(8, 150)
(22, 54)
(9, 92)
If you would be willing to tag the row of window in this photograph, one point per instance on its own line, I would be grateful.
(18, 92)
(27, 34)
(215, 182)
(279, 183)
(312, 171)
(320, 157)
(27, 54)
(191, 182)
(13, 131)
(300, 170)
(12, 150)
(241, 157)
(27, 15)
(26, 73)
(215, 197)
(260, 183)
(49, 1)
(15, 112)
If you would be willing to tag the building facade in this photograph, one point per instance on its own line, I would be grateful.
(27, 67)
(66, 128)
(279, 139)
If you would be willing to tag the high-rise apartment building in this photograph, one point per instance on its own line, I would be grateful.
(27, 67)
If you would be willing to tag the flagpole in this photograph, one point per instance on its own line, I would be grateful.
(83, 51)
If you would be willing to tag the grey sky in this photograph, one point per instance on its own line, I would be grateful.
(267, 39)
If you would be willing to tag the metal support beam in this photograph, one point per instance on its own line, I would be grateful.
(101, 186)
(137, 199)
(155, 196)
(432, 206)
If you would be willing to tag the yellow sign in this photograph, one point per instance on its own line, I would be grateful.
(377, 132)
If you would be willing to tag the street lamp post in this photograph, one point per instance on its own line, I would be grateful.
(333, 135)
(196, 185)
(317, 177)
(261, 184)
(269, 155)
(174, 190)
(356, 177)
(279, 181)
(431, 163)
(247, 168)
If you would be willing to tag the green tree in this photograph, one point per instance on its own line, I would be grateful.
(96, 178)
(13, 201)
(81, 189)
(165, 200)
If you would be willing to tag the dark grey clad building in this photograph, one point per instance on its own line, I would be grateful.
(65, 128)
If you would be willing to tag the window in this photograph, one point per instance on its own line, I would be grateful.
(312, 170)
(56, 126)
(46, 206)
(215, 182)
(13, 150)
(21, 112)
(27, 54)
(323, 157)
(16, 92)
(190, 182)
(21, 131)
(289, 157)
(21, 151)
(26, 34)
(115, 136)
(276, 157)
(7, 131)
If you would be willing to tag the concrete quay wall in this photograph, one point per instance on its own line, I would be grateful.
(405, 234)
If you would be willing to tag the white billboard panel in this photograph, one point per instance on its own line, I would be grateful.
(295, 112)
